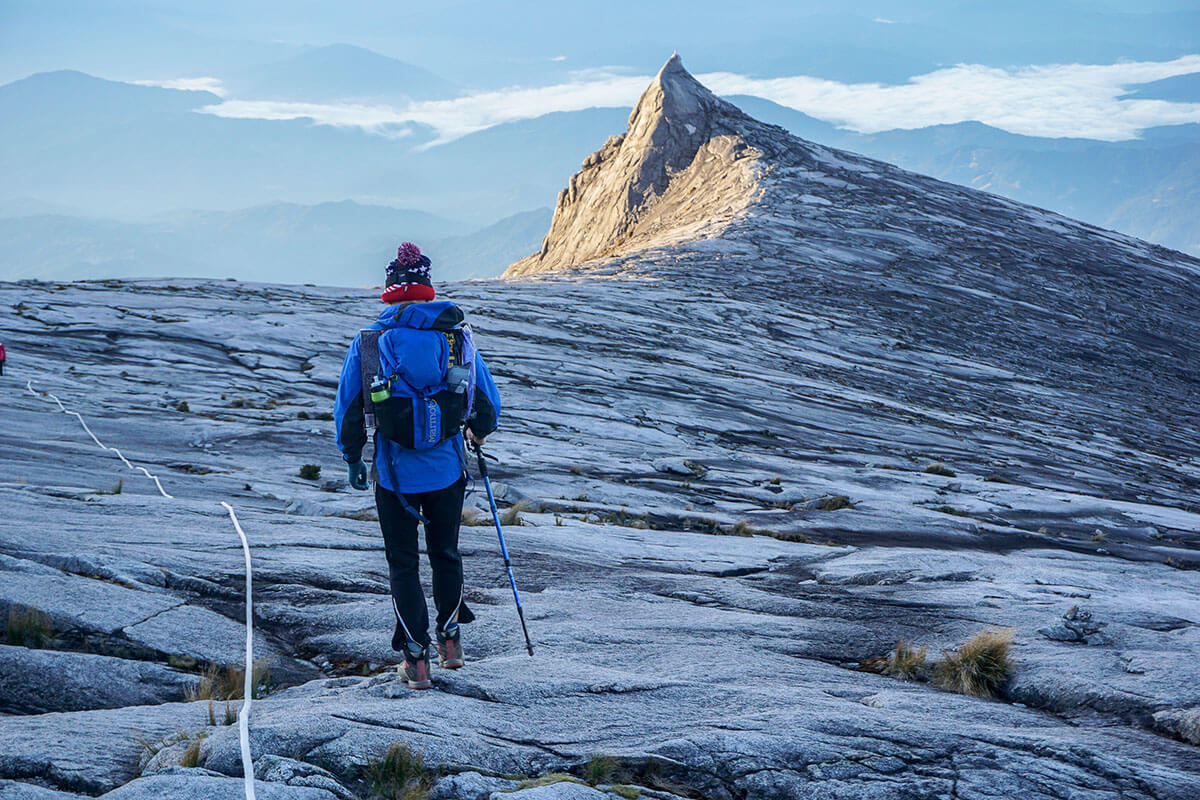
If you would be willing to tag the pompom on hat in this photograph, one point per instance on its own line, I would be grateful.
(408, 276)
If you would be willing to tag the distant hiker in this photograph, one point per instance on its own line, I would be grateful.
(414, 377)
(2, 356)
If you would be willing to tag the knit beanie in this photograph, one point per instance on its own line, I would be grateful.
(408, 276)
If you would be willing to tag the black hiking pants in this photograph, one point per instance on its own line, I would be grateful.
(443, 509)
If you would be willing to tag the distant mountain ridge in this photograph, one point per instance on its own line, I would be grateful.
(343, 243)
(339, 72)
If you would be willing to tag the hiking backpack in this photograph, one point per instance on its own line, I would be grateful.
(420, 417)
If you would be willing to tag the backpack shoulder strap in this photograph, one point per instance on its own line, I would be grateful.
(368, 351)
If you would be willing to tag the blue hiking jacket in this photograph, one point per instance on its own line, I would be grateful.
(400, 470)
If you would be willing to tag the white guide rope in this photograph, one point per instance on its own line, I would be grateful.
(248, 691)
(78, 416)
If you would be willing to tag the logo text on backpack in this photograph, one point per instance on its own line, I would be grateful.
(433, 421)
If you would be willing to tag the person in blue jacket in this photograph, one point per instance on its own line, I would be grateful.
(423, 483)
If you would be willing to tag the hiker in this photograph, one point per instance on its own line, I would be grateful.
(419, 356)
(2, 356)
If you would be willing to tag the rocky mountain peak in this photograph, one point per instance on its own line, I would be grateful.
(646, 181)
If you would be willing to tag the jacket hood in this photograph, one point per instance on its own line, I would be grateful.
(440, 315)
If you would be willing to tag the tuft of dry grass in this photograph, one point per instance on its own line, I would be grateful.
(548, 779)
(472, 517)
(400, 774)
(791, 536)
(978, 668)
(228, 683)
(938, 468)
(905, 661)
(191, 756)
(744, 528)
(512, 514)
(27, 627)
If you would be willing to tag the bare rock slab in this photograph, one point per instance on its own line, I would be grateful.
(204, 787)
(41, 681)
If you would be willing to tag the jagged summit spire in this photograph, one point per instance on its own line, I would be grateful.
(674, 92)
(621, 189)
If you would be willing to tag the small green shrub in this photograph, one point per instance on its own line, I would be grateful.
(27, 627)
(600, 769)
(628, 792)
(301, 415)
(310, 472)
(400, 775)
(183, 406)
(324, 416)
(938, 468)
(239, 402)
(958, 512)
(980, 667)
(835, 503)
(191, 469)
(994, 478)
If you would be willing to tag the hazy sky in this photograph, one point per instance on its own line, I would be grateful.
(1035, 67)
(1041, 67)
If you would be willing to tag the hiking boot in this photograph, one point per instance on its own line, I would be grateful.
(449, 644)
(415, 669)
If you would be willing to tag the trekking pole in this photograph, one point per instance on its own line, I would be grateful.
(503, 547)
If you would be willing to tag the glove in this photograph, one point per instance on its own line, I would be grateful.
(357, 474)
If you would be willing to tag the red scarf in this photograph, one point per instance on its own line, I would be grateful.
(407, 292)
